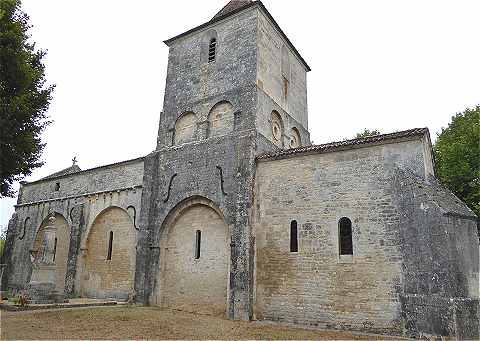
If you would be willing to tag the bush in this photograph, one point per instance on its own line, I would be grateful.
(21, 300)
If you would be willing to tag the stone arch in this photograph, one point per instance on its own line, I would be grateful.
(185, 128)
(277, 129)
(295, 139)
(62, 235)
(221, 119)
(185, 281)
(103, 277)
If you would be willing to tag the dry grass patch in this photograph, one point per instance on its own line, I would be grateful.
(146, 323)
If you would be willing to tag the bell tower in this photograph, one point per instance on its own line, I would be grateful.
(243, 58)
(236, 87)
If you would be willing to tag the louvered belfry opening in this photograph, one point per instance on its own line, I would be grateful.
(212, 50)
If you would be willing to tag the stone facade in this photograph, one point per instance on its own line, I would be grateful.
(235, 213)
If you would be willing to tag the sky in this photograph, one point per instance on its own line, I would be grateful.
(377, 64)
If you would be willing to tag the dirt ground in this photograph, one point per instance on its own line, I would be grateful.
(146, 323)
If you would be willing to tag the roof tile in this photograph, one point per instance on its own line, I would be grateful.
(233, 5)
(343, 144)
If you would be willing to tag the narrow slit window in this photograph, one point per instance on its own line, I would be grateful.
(285, 88)
(212, 50)
(345, 236)
(198, 242)
(110, 246)
(57, 186)
(293, 236)
(54, 250)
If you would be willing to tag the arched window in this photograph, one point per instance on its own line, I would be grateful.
(212, 50)
(293, 236)
(110, 245)
(345, 236)
(198, 244)
(55, 250)
(221, 119)
(185, 128)
(133, 214)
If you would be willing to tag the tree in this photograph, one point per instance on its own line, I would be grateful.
(3, 236)
(366, 133)
(457, 156)
(24, 98)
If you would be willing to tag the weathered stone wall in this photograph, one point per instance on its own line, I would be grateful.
(220, 170)
(218, 164)
(195, 85)
(440, 255)
(62, 235)
(81, 197)
(316, 286)
(106, 178)
(103, 277)
(189, 283)
(221, 119)
(263, 122)
(276, 62)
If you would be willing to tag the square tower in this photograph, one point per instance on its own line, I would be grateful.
(237, 71)
(236, 87)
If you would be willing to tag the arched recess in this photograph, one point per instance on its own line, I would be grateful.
(62, 236)
(221, 119)
(112, 235)
(295, 140)
(185, 128)
(210, 35)
(277, 129)
(194, 259)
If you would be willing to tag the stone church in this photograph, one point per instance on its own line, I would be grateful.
(236, 213)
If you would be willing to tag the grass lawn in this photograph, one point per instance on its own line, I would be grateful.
(146, 323)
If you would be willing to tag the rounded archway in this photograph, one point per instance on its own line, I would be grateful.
(61, 248)
(110, 256)
(193, 275)
(221, 119)
(185, 128)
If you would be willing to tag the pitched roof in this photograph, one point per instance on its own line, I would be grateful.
(233, 5)
(448, 203)
(342, 145)
(70, 170)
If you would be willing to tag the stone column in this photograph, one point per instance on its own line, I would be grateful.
(50, 231)
(77, 228)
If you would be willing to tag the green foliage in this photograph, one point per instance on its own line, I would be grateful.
(366, 133)
(2, 247)
(3, 237)
(457, 156)
(24, 98)
(21, 300)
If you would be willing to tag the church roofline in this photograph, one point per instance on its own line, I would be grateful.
(346, 145)
(258, 3)
(61, 176)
